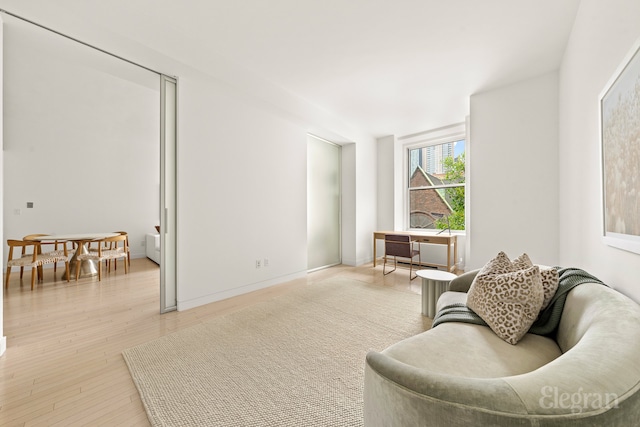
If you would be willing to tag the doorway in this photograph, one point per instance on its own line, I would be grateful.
(324, 240)
(86, 123)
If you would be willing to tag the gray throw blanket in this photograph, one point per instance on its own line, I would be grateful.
(547, 320)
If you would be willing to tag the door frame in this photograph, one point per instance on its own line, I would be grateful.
(168, 192)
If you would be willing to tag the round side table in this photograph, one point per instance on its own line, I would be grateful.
(434, 283)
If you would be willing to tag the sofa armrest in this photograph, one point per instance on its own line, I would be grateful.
(462, 283)
(399, 394)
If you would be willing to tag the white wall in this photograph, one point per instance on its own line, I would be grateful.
(81, 139)
(385, 180)
(242, 196)
(513, 181)
(389, 206)
(366, 199)
(349, 204)
(359, 195)
(242, 192)
(602, 35)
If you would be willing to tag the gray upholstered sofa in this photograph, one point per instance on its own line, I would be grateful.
(461, 374)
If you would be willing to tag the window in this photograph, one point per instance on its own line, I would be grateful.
(437, 186)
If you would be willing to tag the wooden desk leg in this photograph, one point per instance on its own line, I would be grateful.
(455, 252)
(374, 249)
(448, 257)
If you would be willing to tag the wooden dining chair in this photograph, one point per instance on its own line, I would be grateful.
(58, 248)
(400, 245)
(114, 246)
(110, 248)
(128, 250)
(34, 259)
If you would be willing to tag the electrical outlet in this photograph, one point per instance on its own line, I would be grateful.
(258, 263)
(266, 262)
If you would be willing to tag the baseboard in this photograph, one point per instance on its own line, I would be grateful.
(230, 293)
(3, 345)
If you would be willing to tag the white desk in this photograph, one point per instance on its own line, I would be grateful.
(87, 267)
(434, 283)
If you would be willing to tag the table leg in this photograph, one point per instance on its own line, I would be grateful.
(425, 297)
(429, 298)
(88, 268)
(442, 288)
(433, 297)
(431, 291)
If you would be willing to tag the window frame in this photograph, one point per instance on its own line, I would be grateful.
(428, 139)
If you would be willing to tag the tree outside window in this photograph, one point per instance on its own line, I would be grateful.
(437, 186)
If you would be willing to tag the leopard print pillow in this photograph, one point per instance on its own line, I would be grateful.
(522, 262)
(498, 265)
(550, 281)
(508, 301)
(548, 275)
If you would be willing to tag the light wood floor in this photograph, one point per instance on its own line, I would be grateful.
(63, 365)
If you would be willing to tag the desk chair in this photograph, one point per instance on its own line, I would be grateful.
(400, 245)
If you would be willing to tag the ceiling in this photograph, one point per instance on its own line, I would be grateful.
(385, 67)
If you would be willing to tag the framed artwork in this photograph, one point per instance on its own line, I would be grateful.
(620, 154)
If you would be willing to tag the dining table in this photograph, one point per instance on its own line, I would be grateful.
(88, 267)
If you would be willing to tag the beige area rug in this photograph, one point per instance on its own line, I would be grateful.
(294, 360)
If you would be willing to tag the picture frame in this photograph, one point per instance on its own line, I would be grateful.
(619, 109)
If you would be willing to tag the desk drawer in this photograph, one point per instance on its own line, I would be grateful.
(433, 239)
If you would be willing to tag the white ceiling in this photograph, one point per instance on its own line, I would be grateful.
(386, 67)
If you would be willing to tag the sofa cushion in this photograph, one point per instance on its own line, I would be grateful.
(508, 301)
(479, 352)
